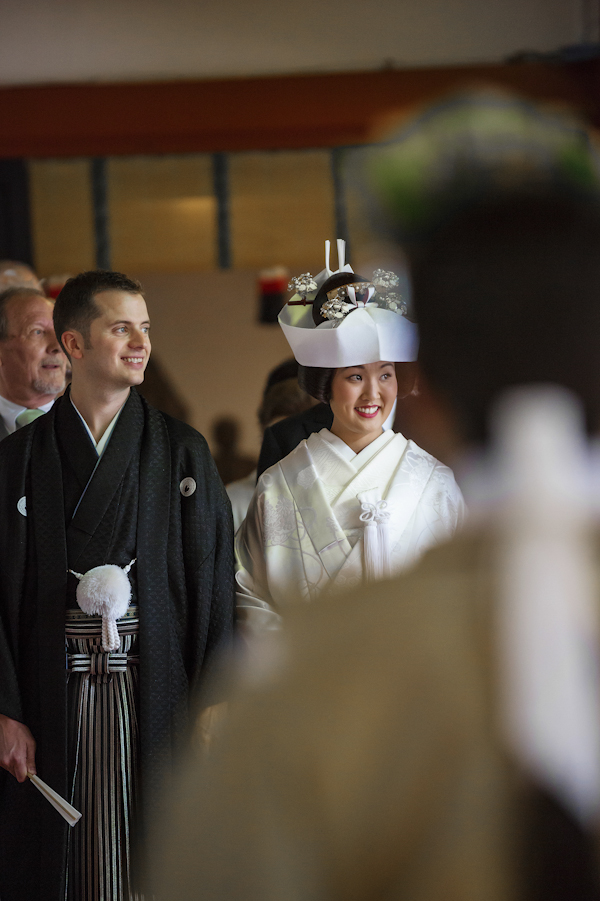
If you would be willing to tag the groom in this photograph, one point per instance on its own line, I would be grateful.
(103, 478)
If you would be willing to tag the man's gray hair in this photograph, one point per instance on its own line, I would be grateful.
(7, 295)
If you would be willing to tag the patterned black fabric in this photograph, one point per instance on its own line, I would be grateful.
(109, 507)
(186, 599)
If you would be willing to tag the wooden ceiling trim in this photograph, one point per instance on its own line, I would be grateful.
(254, 113)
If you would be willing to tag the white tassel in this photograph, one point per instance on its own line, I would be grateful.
(105, 591)
(371, 548)
(341, 249)
(327, 254)
(376, 540)
(384, 548)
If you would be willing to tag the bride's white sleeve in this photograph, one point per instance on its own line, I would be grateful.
(256, 612)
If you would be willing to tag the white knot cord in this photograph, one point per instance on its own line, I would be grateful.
(341, 249)
(110, 635)
(376, 539)
(327, 253)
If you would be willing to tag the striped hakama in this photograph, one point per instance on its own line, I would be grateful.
(102, 692)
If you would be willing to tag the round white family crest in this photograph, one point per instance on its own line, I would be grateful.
(187, 486)
(22, 505)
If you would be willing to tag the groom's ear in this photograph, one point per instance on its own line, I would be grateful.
(73, 344)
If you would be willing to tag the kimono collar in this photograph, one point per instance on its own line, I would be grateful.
(100, 445)
(346, 453)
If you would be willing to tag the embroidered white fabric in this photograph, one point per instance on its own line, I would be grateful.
(304, 535)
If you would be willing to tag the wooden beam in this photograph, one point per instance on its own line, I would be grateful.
(295, 111)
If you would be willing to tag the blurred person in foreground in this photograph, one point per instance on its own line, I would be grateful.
(32, 363)
(436, 737)
(356, 502)
(282, 397)
(116, 589)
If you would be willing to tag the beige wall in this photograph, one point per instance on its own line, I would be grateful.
(204, 332)
(82, 40)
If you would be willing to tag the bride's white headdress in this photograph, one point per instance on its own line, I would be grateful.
(335, 319)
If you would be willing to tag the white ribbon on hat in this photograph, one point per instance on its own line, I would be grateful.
(359, 302)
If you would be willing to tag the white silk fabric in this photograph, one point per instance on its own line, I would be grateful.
(303, 533)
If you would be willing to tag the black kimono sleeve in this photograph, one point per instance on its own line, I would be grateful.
(14, 455)
(207, 548)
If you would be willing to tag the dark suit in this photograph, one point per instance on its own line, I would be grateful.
(3, 429)
(280, 439)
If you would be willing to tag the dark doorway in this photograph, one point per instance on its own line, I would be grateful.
(15, 226)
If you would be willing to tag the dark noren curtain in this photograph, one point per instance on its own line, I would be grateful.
(15, 227)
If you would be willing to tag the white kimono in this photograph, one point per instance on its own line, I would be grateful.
(325, 517)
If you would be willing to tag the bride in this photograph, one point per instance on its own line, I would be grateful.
(354, 502)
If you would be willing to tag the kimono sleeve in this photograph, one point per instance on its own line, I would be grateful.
(207, 537)
(10, 701)
(13, 529)
(254, 603)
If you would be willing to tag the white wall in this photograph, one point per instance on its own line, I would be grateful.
(83, 40)
(204, 332)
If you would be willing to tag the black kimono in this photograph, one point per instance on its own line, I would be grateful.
(155, 496)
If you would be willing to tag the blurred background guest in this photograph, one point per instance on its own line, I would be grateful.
(15, 274)
(231, 463)
(282, 397)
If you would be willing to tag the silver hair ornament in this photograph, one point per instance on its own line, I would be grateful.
(303, 284)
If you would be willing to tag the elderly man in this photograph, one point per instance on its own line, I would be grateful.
(32, 364)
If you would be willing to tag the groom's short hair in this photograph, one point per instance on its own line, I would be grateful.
(76, 306)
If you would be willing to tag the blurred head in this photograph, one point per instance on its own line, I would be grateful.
(508, 293)
(102, 322)
(17, 275)
(32, 365)
(283, 396)
(226, 433)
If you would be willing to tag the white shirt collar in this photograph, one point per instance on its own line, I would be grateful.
(9, 412)
(101, 444)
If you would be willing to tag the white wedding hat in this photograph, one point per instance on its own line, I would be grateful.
(362, 321)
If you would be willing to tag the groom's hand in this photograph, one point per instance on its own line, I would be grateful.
(17, 748)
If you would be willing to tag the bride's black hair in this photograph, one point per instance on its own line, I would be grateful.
(316, 381)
